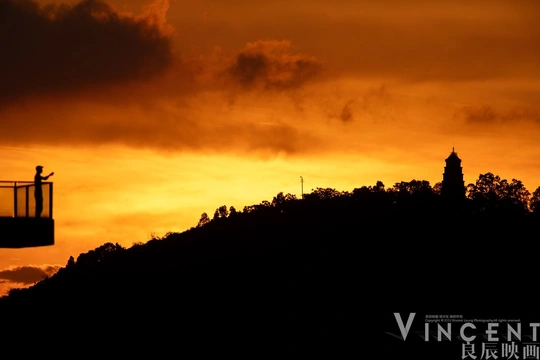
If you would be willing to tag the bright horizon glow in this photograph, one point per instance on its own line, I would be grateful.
(117, 194)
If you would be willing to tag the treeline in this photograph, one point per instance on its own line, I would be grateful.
(324, 213)
(488, 195)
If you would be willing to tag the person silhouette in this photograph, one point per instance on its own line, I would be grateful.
(38, 192)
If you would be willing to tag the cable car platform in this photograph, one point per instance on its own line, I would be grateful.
(22, 223)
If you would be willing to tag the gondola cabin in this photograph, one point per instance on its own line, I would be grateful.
(22, 223)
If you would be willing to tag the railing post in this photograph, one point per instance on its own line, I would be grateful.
(27, 191)
(50, 200)
(14, 199)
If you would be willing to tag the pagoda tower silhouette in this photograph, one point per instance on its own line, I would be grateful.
(453, 185)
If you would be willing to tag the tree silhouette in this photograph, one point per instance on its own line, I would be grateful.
(379, 187)
(437, 188)
(516, 196)
(249, 209)
(281, 199)
(97, 255)
(362, 192)
(490, 193)
(535, 201)
(486, 192)
(71, 262)
(221, 212)
(324, 193)
(414, 194)
(413, 187)
(203, 220)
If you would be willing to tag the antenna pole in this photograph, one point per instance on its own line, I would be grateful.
(302, 186)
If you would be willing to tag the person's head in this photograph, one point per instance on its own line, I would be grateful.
(39, 169)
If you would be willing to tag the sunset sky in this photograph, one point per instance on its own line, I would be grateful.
(151, 113)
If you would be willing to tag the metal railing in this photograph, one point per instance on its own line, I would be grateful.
(17, 199)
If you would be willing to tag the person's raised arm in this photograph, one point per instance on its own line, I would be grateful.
(46, 177)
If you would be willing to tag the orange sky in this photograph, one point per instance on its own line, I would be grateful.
(151, 113)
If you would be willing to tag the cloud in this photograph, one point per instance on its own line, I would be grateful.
(272, 64)
(28, 274)
(376, 104)
(488, 115)
(346, 113)
(65, 48)
(478, 114)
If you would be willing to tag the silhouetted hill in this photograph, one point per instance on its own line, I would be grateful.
(310, 276)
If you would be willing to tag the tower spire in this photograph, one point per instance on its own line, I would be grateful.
(453, 185)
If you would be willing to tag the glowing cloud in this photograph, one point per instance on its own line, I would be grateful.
(28, 274)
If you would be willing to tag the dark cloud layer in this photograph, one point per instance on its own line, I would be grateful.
(28, 274)
(61, 48)
(234, 89)
(198, 104)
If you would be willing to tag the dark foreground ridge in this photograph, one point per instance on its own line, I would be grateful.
(315, 276)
